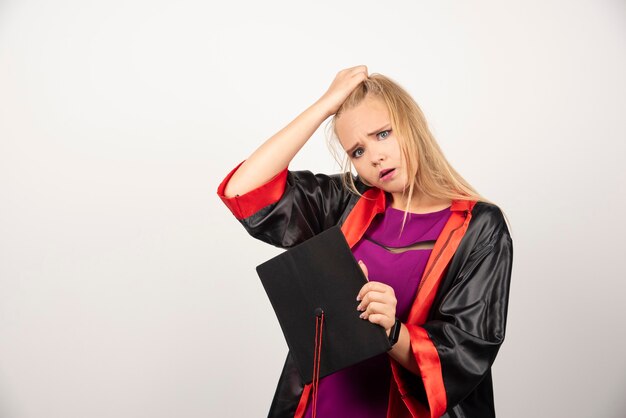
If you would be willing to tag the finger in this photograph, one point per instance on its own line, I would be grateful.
(382, 320)
(359, 76)
(380, 308)
(357, 68)
(376, 297)
(350, 71)
(362, 69)
(374, 286)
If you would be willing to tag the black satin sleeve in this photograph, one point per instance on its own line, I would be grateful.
(467, 324)
(310, 204)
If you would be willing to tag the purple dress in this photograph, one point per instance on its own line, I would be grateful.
(362, 390)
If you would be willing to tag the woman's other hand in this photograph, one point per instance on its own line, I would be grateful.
(378, 302)
(275, 154)
(341, 87)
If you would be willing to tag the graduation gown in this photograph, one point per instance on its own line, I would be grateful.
(457, 320)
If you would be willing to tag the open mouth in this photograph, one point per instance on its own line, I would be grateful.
(385, 172)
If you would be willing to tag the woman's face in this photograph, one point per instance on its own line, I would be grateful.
(365, 134)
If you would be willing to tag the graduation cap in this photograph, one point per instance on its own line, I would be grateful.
(313, 288)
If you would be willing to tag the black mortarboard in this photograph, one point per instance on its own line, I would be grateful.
(318, 275)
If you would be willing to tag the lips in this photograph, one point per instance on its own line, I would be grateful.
(386, 174)
(383, 173)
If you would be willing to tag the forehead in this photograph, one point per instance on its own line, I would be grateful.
(354, 124)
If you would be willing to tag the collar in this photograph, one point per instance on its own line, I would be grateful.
(372, 203)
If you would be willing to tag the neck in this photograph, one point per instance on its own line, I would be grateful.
(420, 203)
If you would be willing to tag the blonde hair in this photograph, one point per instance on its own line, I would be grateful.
(425, 163)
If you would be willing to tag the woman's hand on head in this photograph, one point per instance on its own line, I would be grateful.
(377, 302)
(345, 81)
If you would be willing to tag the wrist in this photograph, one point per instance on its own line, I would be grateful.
(324, 107)
(393, 333)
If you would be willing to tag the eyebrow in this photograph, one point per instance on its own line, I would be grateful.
(385, 127)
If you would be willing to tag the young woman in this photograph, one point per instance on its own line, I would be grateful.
(438, 255)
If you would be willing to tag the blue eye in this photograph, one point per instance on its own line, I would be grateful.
(383, 134)
(357, 153)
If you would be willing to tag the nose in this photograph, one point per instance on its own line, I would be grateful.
(377, 153)
(377, 158)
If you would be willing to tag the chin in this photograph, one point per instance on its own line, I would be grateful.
(391, 188)
(396, 186)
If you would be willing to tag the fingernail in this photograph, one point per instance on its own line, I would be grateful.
(358, 308)
(358, 299)
(362, 316)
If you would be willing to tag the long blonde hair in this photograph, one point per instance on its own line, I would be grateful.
(425, 163)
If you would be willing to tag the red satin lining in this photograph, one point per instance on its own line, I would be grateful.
(424, 350)
(250, 203)
(428, 362)
(445, 247)
(355, 225)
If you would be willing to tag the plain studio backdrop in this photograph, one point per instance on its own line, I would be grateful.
(128, 290)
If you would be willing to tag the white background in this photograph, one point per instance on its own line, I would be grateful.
(127, 289)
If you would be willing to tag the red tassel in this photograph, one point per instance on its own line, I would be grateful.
(319, 325)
